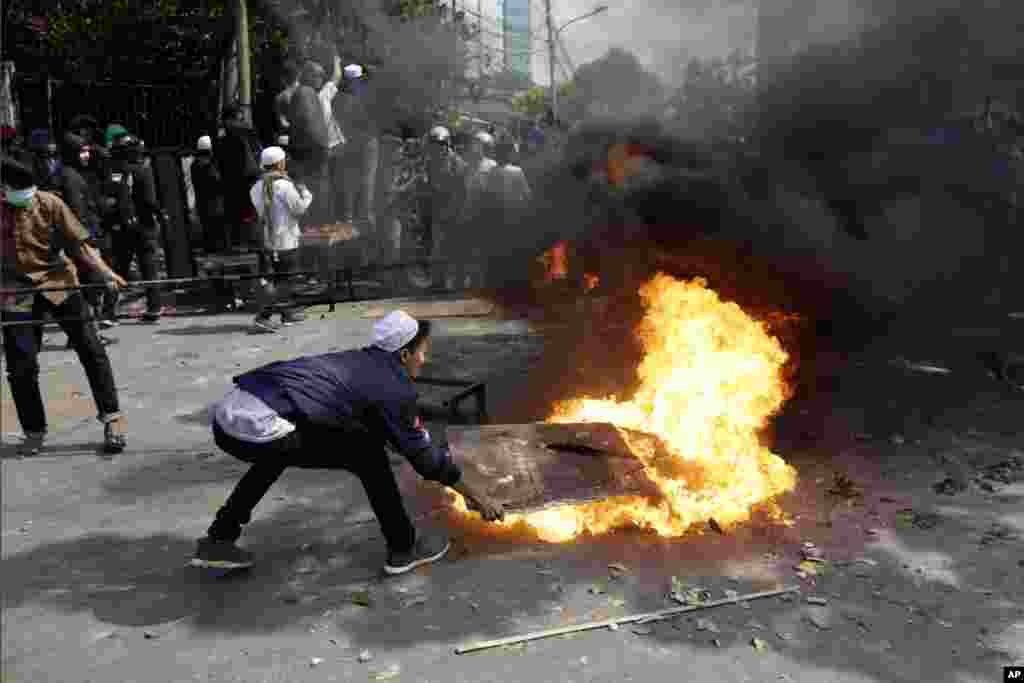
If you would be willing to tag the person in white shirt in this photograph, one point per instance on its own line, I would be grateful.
(479, 158)
(506, 200)
(279, 203)
(335, 139)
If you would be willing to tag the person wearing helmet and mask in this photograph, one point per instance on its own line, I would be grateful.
(337, 411)
(48, 163)
(465, 240)
(79, 188)
(442, 191)
(42, 244)
(134, 221)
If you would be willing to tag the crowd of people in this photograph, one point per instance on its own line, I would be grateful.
(81, 207)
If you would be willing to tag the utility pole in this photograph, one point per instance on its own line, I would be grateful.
(244, 61)
(551, 60)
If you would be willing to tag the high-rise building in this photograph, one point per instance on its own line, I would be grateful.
(515, 24)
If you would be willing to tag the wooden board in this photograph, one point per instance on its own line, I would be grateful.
(328, 235)
(529, 467)
(459, 308)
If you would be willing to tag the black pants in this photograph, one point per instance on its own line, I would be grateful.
(312, 167)
(139, 243)
(281, 290)
(315, 447)
(22, 344)
(215, 232)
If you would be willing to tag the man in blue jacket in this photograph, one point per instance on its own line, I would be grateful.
(336, 411)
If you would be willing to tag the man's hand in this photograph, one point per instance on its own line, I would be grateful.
(476, 500)
(115, 281)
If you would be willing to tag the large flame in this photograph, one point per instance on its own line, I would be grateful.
(556, 262)
(710, 378)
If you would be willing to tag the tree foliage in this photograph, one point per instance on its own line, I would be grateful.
(615, 84)
(717, 98)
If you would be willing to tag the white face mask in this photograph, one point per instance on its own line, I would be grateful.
(21, 199)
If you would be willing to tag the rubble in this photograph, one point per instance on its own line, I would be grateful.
(949, 487)
(819, 618)
(707, 625)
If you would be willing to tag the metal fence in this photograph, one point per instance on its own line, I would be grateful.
(162, 115)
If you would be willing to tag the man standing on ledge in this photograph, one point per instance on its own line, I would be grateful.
(336, 411)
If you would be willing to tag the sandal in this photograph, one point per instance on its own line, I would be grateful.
(113, 440)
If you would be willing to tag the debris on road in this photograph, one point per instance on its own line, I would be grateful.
(997, 534)
(811, 600)
(814, 568)
(782, 635)
(387, 674)
(908, 518)
(1005, 472)
(365, 656)
(361, 598)
(754, 624)
(949, 487)
(844, 487)
(150, 635)
(812, 553)
(316, 661)
(618, 570)
(707, 625)
(926, 367)
(413, 601)
(717, 643)
(688, 595)
(643, 630)
(759, 644)
(818, 618)
(632, 619)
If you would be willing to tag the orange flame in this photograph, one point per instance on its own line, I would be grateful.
(710, 379)
(590, 282)
(556, 262)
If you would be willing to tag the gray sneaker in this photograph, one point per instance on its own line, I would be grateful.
(265, 324)
(32, 444)
(213, 554)
(428, 548)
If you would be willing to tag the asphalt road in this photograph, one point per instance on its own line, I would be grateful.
(919, 586)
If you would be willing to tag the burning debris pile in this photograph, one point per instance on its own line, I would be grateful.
(710, 378)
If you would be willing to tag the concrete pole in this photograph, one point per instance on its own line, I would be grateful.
(551, 60)
(244, 61)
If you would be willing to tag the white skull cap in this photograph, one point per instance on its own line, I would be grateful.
(271, 155)
(485, 138)
(394, 331)
(353, 71)
(440, 133)
(204, 143)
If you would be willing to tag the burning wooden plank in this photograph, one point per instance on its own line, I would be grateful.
(529, 467)
(328, 235)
